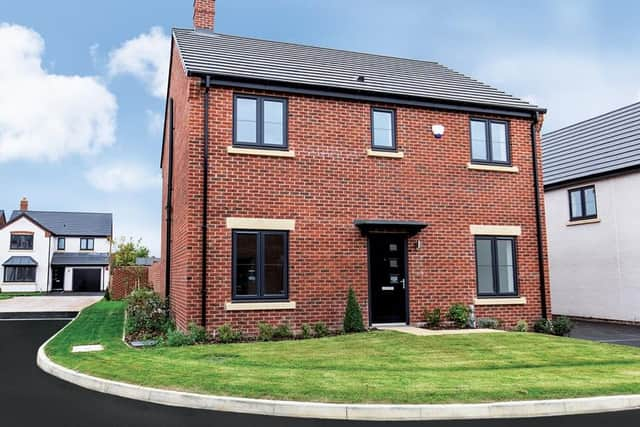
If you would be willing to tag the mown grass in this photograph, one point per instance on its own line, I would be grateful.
(370, 367)
(9, 295)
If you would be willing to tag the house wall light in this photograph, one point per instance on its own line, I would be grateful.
(438, 131)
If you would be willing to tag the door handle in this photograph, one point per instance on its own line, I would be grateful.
(404, 283)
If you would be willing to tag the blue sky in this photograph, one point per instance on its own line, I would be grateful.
(93, 141)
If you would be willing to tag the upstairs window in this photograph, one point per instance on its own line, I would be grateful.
(86, 244)
(383, 132)
(21, 241)
(582, 203)
(260, 121)
(61, 243)
(260, 264)
(496, 266)
(490, 142)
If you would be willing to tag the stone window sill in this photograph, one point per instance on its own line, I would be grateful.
(387, 154)
(260, 152)
(500, 301)
(249, 306)
(493, 168)
(583, 221)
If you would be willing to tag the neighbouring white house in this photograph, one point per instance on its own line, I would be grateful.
(55, 251)
(592, 198)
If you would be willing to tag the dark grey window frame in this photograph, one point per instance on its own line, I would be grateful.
(494, 265)
(583, 203)
(63, 240)
(29, 280)
(394, 145)
(87, 239)
(260, 293)
(488, 141)
(15, 248)
(260, 122)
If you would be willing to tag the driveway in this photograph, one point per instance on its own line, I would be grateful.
(29, 397)
(607, 332)
(44, 305)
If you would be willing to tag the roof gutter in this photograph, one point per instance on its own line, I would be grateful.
(205, 201)
(539, 238)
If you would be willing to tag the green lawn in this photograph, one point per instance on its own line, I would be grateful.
(9, 295)
(369, 367)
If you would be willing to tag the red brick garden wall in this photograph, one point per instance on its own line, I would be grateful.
(125, 279)
(327, 185)
(156, 280)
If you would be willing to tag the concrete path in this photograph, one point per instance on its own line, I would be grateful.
(48, 303)
(428, 332)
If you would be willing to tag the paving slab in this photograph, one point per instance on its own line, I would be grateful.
(430, 332)
(48, 303)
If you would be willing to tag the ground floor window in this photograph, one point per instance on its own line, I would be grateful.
(260, 264)
(496, 266)
(19, 274)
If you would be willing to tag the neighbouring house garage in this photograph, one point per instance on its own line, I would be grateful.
(87, 279)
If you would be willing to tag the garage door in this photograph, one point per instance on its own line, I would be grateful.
(86, 279)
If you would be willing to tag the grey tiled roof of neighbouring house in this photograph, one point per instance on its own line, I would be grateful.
(205, 52)
(75, 258)
(600, 145)
(146, 261)
(20, 261)
(72, 223)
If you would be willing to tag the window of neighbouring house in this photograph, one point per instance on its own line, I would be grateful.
(260, 121)
(19, 274)
(383, 133)
(260, 265)
(496, 266)
(61, 243)
(490, 141)
(22, 242)
(86, 244)
(582, 203)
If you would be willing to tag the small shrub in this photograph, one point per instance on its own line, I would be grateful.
(432, 318)
(320, 330)
(353, 314)
(175, 338)
(543, 326)
(283, 331)
(459, 315)
(561, 326)
(197, 333)
(265, 332)
(306, 331)
(225, 334)
(521, 326)
(488, 323)
(147, 314)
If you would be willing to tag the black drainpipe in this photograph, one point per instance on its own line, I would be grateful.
(169, 207)
(205, 176)
(536, 189)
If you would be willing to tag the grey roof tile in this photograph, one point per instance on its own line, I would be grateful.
(16, 261)
(241, 57)
(72, 223)
(79, 258)
(599, 145)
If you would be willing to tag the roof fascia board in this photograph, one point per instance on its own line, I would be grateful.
(592, 177)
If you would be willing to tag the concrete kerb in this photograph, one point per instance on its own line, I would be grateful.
(367, 412)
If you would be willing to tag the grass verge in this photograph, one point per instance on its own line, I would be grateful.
(9, 295)
(374, 367)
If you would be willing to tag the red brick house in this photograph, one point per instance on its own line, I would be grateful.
(292, 173)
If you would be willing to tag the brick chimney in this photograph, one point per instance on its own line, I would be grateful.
(24, 204)
(204, 12)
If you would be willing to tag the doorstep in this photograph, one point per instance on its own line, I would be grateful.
(412, 330)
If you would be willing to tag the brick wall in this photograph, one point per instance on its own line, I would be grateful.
(156, 281)
(125, 279)
(330, 183)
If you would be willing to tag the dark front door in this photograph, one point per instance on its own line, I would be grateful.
(388, 281)
(86, 279)
(57, 278)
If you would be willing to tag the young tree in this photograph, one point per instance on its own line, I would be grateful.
(127, 251)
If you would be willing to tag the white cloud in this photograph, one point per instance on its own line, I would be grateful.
(571, 85)
(123, 177)
(145, 57)
(47, 116)
(155, 122)
(94, 51)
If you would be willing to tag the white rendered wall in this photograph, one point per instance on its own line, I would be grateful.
(595, 268)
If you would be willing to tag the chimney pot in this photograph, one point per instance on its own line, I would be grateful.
(24, 204)
(204, 12)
